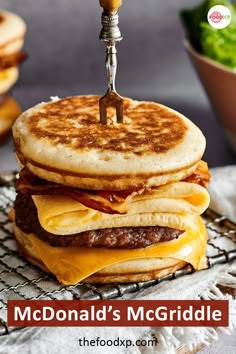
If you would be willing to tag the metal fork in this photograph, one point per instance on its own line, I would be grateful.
(110, 35)
(111, 98)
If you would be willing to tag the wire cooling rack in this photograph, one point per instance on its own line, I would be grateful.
(21, 280)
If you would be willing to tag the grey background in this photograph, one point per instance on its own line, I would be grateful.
(65, 57)
(64, 50)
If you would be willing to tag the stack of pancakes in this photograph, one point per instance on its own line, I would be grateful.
(109, 203)
(12, 32)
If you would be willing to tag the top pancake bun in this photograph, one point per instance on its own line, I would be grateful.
(12, 32)
(63, 141)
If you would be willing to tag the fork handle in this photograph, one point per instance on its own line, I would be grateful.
(111, 67)
(110, 6)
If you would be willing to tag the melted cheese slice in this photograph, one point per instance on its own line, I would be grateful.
(9, 111)
(7, 78)
(73, 264)
(173, 205)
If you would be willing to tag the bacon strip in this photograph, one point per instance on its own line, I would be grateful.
(115, 202)
(200, 176)
(104, 201)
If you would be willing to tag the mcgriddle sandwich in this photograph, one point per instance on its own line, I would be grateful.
(109, 203)
(12, 32)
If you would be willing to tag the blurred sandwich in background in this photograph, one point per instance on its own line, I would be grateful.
(12, 33)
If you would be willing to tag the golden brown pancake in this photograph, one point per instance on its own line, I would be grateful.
(12, 32)
(71, 147)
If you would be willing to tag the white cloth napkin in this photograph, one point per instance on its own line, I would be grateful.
(200, 284)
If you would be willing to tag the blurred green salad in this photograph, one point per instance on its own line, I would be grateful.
(217, 44)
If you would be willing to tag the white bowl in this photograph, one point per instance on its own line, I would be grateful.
(219, 82)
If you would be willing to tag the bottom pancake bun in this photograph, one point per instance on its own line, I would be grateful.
(137, 276)
(9, 112)
(125, 272)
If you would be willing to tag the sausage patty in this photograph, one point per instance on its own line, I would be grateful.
(121, 237)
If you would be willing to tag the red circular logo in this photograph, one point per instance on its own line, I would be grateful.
(216, 17)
